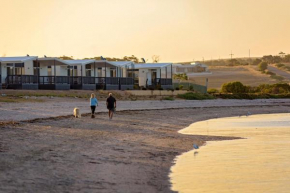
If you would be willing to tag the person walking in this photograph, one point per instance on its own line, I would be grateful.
(94, 103)
(111, 105)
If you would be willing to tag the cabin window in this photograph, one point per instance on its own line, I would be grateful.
(99, 72)
(113, 72)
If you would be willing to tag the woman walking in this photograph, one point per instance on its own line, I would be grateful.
(94, 103)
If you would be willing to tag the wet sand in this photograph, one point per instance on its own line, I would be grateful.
(131, 153)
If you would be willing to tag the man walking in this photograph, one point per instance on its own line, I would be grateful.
(111, 105)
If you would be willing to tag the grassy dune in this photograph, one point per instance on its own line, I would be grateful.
(248, 75)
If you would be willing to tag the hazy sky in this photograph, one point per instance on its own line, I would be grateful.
(176, 30)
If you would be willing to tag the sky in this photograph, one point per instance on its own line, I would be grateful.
(175, 30)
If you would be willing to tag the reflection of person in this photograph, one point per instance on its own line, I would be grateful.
(94, 103)
(111, 105)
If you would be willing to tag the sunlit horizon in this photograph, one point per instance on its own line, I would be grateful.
(177, 31)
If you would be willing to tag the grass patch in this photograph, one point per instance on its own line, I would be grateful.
(18, 100)
(252, 96)
(277, 77)
(195, 96)
(169, 98)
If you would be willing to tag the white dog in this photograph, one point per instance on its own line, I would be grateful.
(77, 113)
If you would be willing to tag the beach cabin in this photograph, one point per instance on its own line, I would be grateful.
(155, 75)
(17, 72)
(52, 74)
(99, 74)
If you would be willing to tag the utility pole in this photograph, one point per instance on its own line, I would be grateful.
(231, 55)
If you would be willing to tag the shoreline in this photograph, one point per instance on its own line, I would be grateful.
(132, 153)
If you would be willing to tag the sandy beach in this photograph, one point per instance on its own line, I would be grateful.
(131, 153)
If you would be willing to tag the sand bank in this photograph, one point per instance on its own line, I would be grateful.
(131, 153)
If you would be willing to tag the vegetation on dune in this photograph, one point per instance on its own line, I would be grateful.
(239, 88)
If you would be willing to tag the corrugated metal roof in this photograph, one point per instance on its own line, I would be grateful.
(77, 62)
(17, 59)
(152, 65)
(119, 63)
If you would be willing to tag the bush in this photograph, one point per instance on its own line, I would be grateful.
(212, 90)
(280, 65)
(180, 76)
(195, 96)
(269, 72)
(181, 87)
(144, 88)
(177, 88)
(263, 66)
(136, 87)
(277, 77)
(190, 87)
(233, 87)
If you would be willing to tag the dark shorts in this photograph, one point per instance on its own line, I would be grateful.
(111, 109)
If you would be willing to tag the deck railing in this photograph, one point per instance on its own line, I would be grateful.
(21, 79)
(162, 81)
(73, 80)
(126, 81)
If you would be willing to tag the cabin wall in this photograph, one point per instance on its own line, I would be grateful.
(3, 72)
(143, 76)
(28, 67)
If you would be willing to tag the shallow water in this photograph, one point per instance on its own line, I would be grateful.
(258, 163)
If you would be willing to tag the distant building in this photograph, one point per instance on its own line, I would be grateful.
(189, 68)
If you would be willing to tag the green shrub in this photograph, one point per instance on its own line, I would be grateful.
(233, 87)
(269, 72)
(212, 90)
(277, 77)
(190, 87)
(180, 76)
(195, 96)
(180, 87)
(263, 66)
(279, 65)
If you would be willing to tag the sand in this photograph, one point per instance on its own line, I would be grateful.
(131, 153)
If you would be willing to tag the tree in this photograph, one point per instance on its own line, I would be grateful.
(282, 54)
(263, 66)
(66, 57)
(233, 87)
(286, 58)
(256, 62)
(155, 58)
(268, 58)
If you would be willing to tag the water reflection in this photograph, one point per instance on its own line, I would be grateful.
(258, 163)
